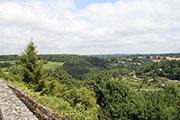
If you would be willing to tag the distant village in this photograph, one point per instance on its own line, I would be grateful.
(139, 60)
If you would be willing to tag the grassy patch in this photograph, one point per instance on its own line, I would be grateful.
(53, 65)
(4, 69)
(12, 62)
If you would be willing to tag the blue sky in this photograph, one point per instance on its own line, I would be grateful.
(83, 3)
(78, 27)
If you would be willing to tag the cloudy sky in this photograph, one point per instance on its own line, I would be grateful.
(90, 26)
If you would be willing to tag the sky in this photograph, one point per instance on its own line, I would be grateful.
(90, 26)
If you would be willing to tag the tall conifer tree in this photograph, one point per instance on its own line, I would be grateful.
(31, 68)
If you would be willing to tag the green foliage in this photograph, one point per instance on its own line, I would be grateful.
(13, 74)
(64, 109)
(77, 68)
(161, 105)
(1, 74)
(31, 68)
(53, 88)
(168, 69)
(112, 96)
(81, 95)
(119, 102)
(5, 64)
(95, 61)
(83, 65)
(64, 77)
(8, 57)
(76, 103)
(109, 92)
(59, 58)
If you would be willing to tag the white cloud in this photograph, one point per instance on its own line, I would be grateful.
(131, 26)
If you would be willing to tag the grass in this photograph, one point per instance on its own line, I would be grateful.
(12, 62)
(53, 65)
(4, 69)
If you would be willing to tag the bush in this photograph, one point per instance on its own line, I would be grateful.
(65, 109)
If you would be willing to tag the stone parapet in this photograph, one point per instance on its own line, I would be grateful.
(1, 116)
(42, 112)
(11, 107)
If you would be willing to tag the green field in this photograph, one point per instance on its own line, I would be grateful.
(12, 62)
(53, 65)
(3, 69)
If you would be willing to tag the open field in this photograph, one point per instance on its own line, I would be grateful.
(12, 62)
(53, 65)
(4, 69)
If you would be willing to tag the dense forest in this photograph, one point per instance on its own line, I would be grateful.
(8, 57)
(101, 87)
(168, 69)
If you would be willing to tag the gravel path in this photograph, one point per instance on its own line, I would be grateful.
(11, 106)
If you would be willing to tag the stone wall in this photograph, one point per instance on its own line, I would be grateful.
(41, 112)
(12, 108)
(1, 116)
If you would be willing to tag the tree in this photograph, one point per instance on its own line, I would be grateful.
(114, 97)
(82, 96)
(31, 68)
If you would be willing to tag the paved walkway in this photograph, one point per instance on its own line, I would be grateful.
(11, 107)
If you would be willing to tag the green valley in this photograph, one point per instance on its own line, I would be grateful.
(99, 87)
